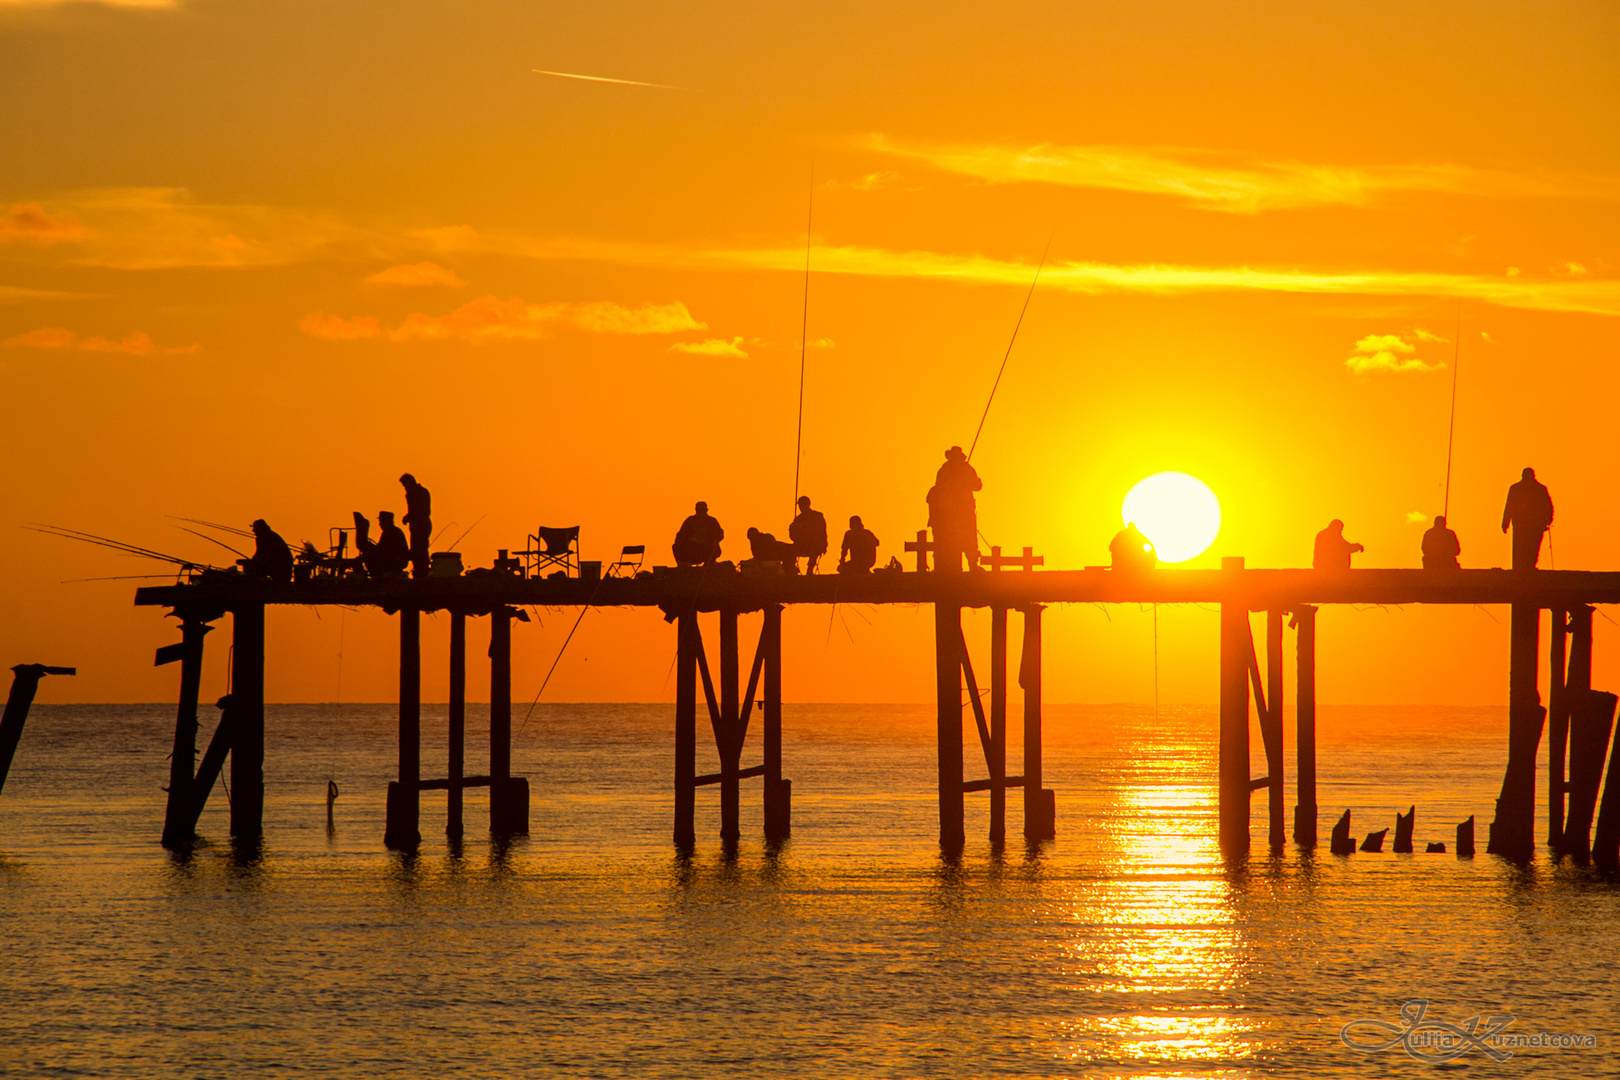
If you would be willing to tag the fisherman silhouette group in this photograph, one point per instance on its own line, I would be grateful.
(388, 556)
(697, 542)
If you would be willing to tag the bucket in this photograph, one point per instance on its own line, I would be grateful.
(445, 564)
(590, 571)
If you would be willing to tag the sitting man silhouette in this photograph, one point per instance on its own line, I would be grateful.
(858, 553)
(1130, 550)
(698, 541)
(389, 554)
(767, 548)
(1440, 547)
(1333, 551)
(809, 533)
(272, 558)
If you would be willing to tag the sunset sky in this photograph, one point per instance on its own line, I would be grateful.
(258, 258)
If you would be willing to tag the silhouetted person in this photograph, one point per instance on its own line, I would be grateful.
(272, 558)
(1333, 551)
(953, 514)
(419, 516)
(767, 548)
(698, 541)
(1131, 550)
(1529, 510)
(809, 533)
(389, 554)
(1441, 547)
(858, 553)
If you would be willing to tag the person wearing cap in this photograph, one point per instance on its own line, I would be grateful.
(272, 558)
(953, 513)
(419, 516)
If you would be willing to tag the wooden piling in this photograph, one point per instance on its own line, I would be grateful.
(1305, 726)
(1274, 709)
(778, 791)
(686, 650)
(1040, 802)
(1404, 824)
(1606, 840)
(1512, 834)
(508, 794)
(998, 725)
(457, 765)
(1341, 842)
(1236, 648)
(1576, 684)
(729, 744)
(208, 770)
(402, 829)
(1591, 721)
(24, 685)
(948, 687)
(1465, 839)
(247, 735)
(178, 827)
(1557, 725)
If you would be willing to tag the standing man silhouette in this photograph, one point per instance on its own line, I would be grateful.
(419, 516)
(953, 514)
(1529, 510)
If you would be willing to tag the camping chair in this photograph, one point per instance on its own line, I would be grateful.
(549, 548)
(629, 564)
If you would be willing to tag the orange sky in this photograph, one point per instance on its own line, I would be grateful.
(258, 258)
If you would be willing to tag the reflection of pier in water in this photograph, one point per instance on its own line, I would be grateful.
(1580, 718)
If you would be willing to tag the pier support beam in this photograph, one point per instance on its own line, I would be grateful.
(247, 724)
(457, 724)
(401, 830)
(179, 825)
(1274, 726)
(778, 792)
(1040, 802)
(1513, 831)
(1558, 706)
(508, 794)
(948, 678)
(998, 725)
(686, 660)
(1305, 726)
(1236, 648)
(728, 738)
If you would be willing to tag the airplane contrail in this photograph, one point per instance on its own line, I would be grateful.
(602, 78)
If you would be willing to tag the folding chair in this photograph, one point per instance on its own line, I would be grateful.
(629, 564)
(552, 548)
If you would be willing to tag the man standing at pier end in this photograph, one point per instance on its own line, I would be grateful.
(1529, 510)
(419, 516)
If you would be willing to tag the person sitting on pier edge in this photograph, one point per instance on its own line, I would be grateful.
(1333, 551)
(768, 549)
(858, 553)
(698, 541)
(1529, 510)
(1441, 547)
(389, 554)
(809, 534)
(1131, 550)
(419, 516)
(272, 558)
(953, 514)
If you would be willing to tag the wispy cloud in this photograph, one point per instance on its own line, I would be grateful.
(28, 223)
(1424, 335)
(154, 5)
(1387, 352)
(1416, 517)
(605, 79)
(415, 274)
(490, 319)
(135, 343)
(712, 347)
(1210, 180)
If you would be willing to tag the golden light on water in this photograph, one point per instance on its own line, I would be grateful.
(1177, 511)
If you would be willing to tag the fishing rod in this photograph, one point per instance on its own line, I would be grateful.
(115, 545)
(1002, 370)
(1451, 435)
(211, 540)
(804, 336)
(464, 535)
(232, 529)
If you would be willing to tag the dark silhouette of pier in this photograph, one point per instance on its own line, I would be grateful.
(1577, 718)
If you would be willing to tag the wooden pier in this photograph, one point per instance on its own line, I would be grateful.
(1248, 690)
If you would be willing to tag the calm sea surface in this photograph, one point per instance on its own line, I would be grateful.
(1125, 948)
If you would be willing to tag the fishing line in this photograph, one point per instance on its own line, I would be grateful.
(546, 681)
(1451, 435)
(804, 332)
(1002, 370)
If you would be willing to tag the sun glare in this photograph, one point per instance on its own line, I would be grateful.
(1178, 512)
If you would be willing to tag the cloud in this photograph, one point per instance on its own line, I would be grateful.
(415, 274)
(490, 319)
(1573, 269)
(824, 343)
(1424, 335)
(711, 347)
(135, 343)
(605, 79)
(1210, 180)
(1416, 517)
(1387, 352)
(1486, 338)
(28, 223)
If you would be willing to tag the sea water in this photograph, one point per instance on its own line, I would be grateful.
(1126, 947)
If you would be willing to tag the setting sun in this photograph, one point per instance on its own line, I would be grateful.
(1178, 512)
